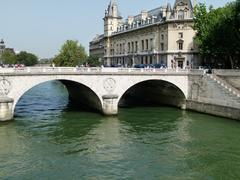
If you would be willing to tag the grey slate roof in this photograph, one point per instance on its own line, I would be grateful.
(154, 12)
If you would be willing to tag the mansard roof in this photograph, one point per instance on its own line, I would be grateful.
(97, 38)
(157, 12)
(157, 15)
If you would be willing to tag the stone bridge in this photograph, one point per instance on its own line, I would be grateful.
(105, 89)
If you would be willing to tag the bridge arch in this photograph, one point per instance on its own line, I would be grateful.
(79, 93)
(153, 91)
(107, 88)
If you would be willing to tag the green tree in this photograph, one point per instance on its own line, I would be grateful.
(93, 61)
(27, 59)
(8, 57)
(218, 33)
(71, 54)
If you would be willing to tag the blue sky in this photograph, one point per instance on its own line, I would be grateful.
(42, 26)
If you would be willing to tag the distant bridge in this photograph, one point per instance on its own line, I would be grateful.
(104, 89)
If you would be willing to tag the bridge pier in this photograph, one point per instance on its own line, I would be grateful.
(110, 105)
(6, 108)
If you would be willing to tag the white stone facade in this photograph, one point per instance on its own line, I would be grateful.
(161, 36)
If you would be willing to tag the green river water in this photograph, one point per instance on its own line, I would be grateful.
(49, 140)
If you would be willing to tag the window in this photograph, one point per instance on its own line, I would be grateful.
(151, 60)
(112, 52)
(132, 47)
(136, 46)
(180, 46)
(180, 35)
(162, 37)
(181, 14)
(146, 44)
(129, 47)
(142, 45)
(151, 44)
(162, 47)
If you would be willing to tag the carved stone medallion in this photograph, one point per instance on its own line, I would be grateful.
(109, 84)
(5, 86)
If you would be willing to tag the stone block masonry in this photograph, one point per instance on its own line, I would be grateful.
(103, 89)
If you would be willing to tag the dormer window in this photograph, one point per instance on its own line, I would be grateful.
(181, 14)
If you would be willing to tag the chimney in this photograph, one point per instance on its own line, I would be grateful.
(130, 19)
(144, 15)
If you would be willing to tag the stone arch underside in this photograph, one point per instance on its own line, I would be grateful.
(81, 95)
(92, 101)
(153, 92)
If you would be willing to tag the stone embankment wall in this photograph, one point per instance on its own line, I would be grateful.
(230, 76)
(216, 94)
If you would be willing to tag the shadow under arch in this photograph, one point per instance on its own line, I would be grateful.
(153, 93)
(78, 95)
(82, 95)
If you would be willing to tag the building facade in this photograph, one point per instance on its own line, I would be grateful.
(160, 36)
(96, 47)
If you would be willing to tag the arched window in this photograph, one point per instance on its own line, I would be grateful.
(181, 14)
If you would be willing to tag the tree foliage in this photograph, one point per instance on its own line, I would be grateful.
(8, 57)
(26, 58)
(93, 61)
(71, 54)
(218, 34)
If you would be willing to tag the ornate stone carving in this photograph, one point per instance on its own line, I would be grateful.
(109, 84)
(5, 86)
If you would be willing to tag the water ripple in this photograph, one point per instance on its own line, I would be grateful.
(46, 141)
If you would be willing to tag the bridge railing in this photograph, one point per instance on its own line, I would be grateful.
(86, 70)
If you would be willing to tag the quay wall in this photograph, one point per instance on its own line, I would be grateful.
(214, 94)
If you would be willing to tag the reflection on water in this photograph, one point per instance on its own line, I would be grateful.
(48, 140)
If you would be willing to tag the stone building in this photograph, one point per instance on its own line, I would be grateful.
(96, 47)
(160, 36)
